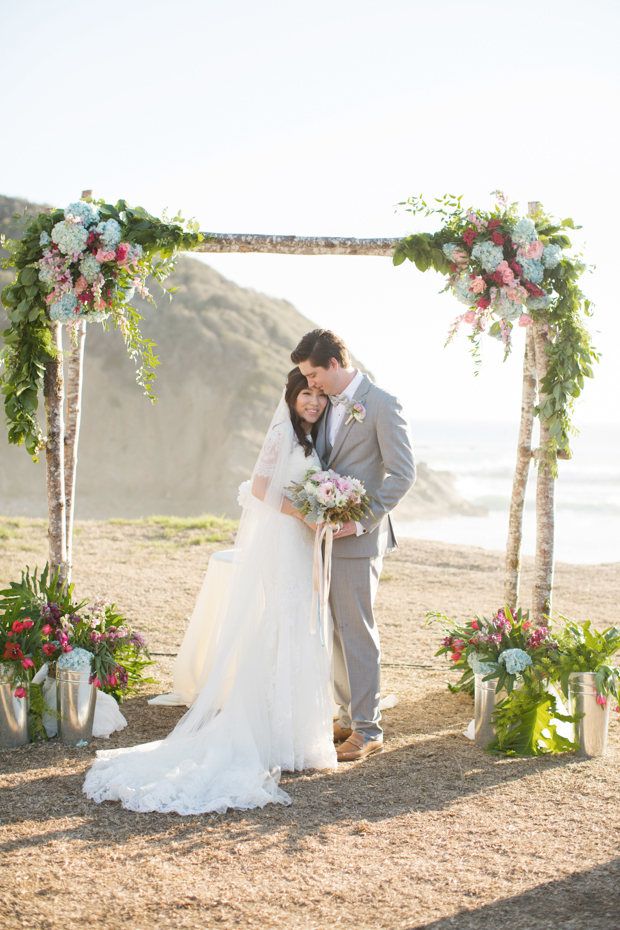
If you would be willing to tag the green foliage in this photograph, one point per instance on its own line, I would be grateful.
(28, 344)
(523, 725)
(571, 353)
(583, 649)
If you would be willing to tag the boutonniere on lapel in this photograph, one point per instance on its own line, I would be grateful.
(355, 411)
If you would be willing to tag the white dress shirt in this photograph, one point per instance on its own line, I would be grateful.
(338, 413)
(336, 417)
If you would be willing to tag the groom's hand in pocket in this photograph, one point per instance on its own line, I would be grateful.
(348, 529)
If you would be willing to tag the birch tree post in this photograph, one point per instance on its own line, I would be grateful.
(75, 377)
(53, 390)
(545, 494)
(522, 468)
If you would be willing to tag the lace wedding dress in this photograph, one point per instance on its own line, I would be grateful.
(264, 703)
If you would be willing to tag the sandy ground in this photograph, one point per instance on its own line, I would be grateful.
(432, 833)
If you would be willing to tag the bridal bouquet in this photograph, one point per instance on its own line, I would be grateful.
(325, 497)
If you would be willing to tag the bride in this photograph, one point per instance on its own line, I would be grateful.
(264, 703)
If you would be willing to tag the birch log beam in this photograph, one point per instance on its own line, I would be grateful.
(295, 245)
(75, 369)
(53, 390)
(545, 495)
(519, 484)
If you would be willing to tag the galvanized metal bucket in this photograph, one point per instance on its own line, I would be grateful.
(13, 717)
(591, 730)
(75, 702)
(485, 700)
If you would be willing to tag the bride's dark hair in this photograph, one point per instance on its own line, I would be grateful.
(295, 383)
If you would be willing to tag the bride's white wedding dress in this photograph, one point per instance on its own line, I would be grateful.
(264, 703)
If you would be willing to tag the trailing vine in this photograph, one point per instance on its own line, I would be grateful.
(84, 262)
(507, 269)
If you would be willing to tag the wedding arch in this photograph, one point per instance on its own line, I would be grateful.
(86, 262)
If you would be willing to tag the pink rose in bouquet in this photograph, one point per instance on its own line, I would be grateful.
(507, 274)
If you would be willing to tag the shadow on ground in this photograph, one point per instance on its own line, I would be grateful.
(588, 900)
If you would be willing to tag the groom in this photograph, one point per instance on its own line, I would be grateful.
(376, 449)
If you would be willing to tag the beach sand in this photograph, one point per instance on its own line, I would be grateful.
(432, 833)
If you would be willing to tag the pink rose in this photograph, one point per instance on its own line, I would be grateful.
(81, 285)
(514, 293)
(478, 286)
(534, 249)
(469, 317)
(460, 256)
(102, 256)
(524, 320)
(506, 272)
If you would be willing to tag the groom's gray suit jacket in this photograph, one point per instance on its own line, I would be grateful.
(379, 452)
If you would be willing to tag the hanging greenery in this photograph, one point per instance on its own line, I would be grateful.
(84, 262)
(508, 269)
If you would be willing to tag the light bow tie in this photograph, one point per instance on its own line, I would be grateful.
(338, 399)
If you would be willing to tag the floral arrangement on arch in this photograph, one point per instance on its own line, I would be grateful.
(509, 270)
(88, 267)
(83, 262)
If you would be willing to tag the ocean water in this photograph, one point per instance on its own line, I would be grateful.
(482, 457)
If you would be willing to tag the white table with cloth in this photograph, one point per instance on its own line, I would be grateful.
(189, 663)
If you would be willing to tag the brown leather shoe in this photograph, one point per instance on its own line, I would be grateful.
(356, 747)
(341, 733)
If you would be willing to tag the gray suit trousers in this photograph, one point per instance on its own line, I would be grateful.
(357, 652)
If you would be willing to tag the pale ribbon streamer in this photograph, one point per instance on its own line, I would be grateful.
(322, 572)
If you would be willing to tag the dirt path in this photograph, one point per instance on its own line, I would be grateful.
(433, 833)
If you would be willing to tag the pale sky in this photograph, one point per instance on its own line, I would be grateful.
(315, 119)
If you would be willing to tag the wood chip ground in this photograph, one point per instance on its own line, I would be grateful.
(432, 833)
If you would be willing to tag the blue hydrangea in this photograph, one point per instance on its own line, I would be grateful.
(70, 237)
(488, 255)
(532, 269)
(135, 252)
(89, 266)
(97, 316)
(507, 309)
(44, 239)
(525, 231)
(515, 660)
(477, 666)
(538, 303)
(65, 309)
(87, 212)
(551, 256)
(78, 660)
(449, 249)
(462, 292)
(46, 274)
(110, 233)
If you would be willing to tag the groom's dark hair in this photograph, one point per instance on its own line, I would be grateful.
(318, 347)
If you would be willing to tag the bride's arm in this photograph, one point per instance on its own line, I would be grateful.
(259, 490)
